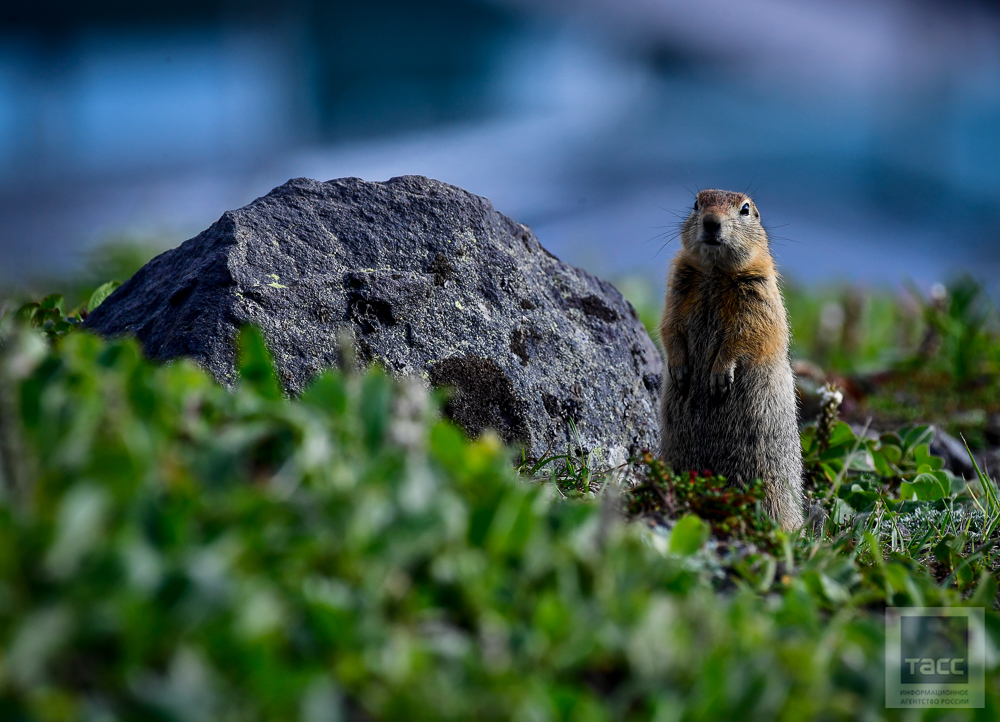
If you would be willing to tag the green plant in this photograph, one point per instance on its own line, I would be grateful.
(851, 329)
(50, 316)
(961, 330)
(571, 473)
(731, 512)
(178, 551)
(987, 499)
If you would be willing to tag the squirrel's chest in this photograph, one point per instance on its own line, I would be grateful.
(705, 313)
(702, 324)
(711, 315)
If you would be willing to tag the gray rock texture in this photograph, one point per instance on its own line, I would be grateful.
(432, 282)
(956, 458)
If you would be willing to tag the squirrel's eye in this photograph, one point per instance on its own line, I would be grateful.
(696, 205)
(745, 210)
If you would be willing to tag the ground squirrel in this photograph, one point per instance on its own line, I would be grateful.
(728, 401)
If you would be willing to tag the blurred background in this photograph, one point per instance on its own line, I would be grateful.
(868, 130)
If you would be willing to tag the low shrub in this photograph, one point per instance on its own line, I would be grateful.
(172, 550)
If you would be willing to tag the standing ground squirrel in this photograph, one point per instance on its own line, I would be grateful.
(728, 402)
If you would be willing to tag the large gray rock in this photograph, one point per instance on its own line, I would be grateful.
(432, 282)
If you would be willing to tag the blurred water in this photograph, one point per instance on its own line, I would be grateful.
(868, 133)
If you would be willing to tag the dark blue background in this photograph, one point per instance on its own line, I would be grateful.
(869, 132)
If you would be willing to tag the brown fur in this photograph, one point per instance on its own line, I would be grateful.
(728, 400)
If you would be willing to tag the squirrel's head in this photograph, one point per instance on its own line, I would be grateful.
(724, 229)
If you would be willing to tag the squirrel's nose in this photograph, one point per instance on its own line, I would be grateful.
(711, 225)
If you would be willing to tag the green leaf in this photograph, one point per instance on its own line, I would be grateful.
(884, 462)
(54, 301)
(842, 511)
(448, 444)
(47, 315)
(833, 590)
(944, 479)
(913, 437)
(926, 487)
(808, 439)
(375, 408)
(842, 433)
(923, 457)
(891, 452)
(688, 536)
(27, 312)
(944, 554)
(986, 591)
(861, 494)
(256, 368)
(103, 291)
(891, 439)
(327, 392)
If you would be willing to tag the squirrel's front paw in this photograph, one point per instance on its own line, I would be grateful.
(679, 375)
(722, 382)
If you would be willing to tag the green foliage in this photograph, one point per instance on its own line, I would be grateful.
(895, 456)
(988, 501)
(852, 330)
(571, 473)
(183, 552)
(101, 293)
(849, 329)
(50, 317)
(961, 331)
(729, 511)
(893, 488)
(688, 535)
